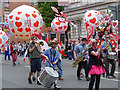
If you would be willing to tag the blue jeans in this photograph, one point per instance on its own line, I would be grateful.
(60, 68)
(7, 53)
(70, 55)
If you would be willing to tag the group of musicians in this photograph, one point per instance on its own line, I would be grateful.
(93, 63)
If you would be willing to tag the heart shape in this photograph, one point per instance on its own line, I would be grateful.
(34, 15)
(114, 24)
(1, 33)
(11, 16)
(21, 35)
(60, 27)
(20, 29)
(89, 15)
(17, 18)
(27, 15)
(18, 24)
(93, 20)
(16, 35)
(38, 13)
(34, 11)
(55, 29)
(35, 31)
(0, 41)
(19, 13)
(2, 46)
(36, 24)
(27, 29)
(58, 23)
(13, 30)
(65, 27)
(26, 35)
(95, 12)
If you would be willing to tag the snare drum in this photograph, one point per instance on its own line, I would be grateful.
(112, 55)
(48, 77)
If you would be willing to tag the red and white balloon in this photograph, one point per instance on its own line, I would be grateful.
(3, 39)
(59, 25)
(22, 19)
(45, 46)
(93, 17)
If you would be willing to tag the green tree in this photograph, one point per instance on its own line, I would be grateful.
(44, 8)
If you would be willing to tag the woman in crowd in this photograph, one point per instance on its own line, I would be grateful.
(95, 65)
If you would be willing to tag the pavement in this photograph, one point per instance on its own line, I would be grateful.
(16, 77)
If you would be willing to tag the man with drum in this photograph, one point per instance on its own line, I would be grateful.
(107, 47)
(34, 50)
(52, 57)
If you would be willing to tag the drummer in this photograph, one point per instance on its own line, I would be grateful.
(52, 57)
(107, 47)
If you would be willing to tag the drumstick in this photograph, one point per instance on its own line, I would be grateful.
(50, 63)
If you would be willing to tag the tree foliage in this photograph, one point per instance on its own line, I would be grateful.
(44, 8)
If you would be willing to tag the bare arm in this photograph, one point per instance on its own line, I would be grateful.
(95, 53)
(45, 56)
(75, 54)
(30, 50)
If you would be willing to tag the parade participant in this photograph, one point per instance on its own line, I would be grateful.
(73, 47)
(19, 49)
(79, 49)
(34, 50)
(52, 57)
(95, 65)
(69, 48)
(107, 47)
(7, 51)
(13, 52)
(58, 49)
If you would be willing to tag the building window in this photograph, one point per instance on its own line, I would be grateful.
(62, 38)
(53, 36)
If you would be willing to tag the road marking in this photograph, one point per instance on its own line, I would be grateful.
(110, 79)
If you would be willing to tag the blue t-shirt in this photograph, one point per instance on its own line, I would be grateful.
(78, 49)
(55, 56)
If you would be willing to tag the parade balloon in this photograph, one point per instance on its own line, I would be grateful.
(59, 25)
(44, 46)
(23, 19)
(3, 39)
(93, 17)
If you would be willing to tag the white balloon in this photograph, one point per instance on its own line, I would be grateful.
(3, 39)
(23, 19)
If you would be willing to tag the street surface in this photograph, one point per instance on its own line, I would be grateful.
(16, 77)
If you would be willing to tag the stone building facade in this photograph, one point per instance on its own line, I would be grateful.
(77, 8)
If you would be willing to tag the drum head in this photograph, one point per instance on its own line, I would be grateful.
(112, 53)
(51, 72)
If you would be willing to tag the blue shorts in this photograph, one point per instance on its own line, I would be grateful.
(35, 64)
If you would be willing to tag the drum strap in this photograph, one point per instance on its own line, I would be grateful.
(52, 60)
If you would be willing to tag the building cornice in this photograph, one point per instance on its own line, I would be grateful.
(88, 6)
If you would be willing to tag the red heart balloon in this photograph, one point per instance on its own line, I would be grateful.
(60, 27)
(27, 15)
(11, 16)
(26, 35)
(1, 33)
(34, 15)
(36, 24)
(89, 15)
(18, 24)
(34, 11)
(19, 13)
(55, 29)
(2, 46)
(65, 27)
(27, 29)
(20, 29)
(21, 35)
(93, 20)
(17, 18)
(58, 23)
(114, 24)
(0, 41)
(13, 30)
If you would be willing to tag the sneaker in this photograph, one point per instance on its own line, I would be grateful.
(60, 78)
(57, 87)
(29, 81)
(33, 78)
(38, 83)
(87, 79)
(78, 78)
(113, 76)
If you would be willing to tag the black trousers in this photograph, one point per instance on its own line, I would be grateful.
(112, 62)
(94, 78)
(80, 65)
